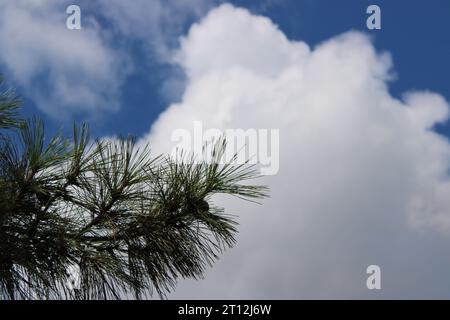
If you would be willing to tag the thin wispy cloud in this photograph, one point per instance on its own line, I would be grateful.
(68, 72)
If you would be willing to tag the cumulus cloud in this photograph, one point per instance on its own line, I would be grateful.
(363, 177)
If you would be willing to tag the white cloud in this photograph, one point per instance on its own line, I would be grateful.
(64, 71)
(363, 180)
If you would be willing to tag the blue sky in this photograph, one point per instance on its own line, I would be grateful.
(414, 32)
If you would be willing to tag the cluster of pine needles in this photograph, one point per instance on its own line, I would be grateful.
(128, 223)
